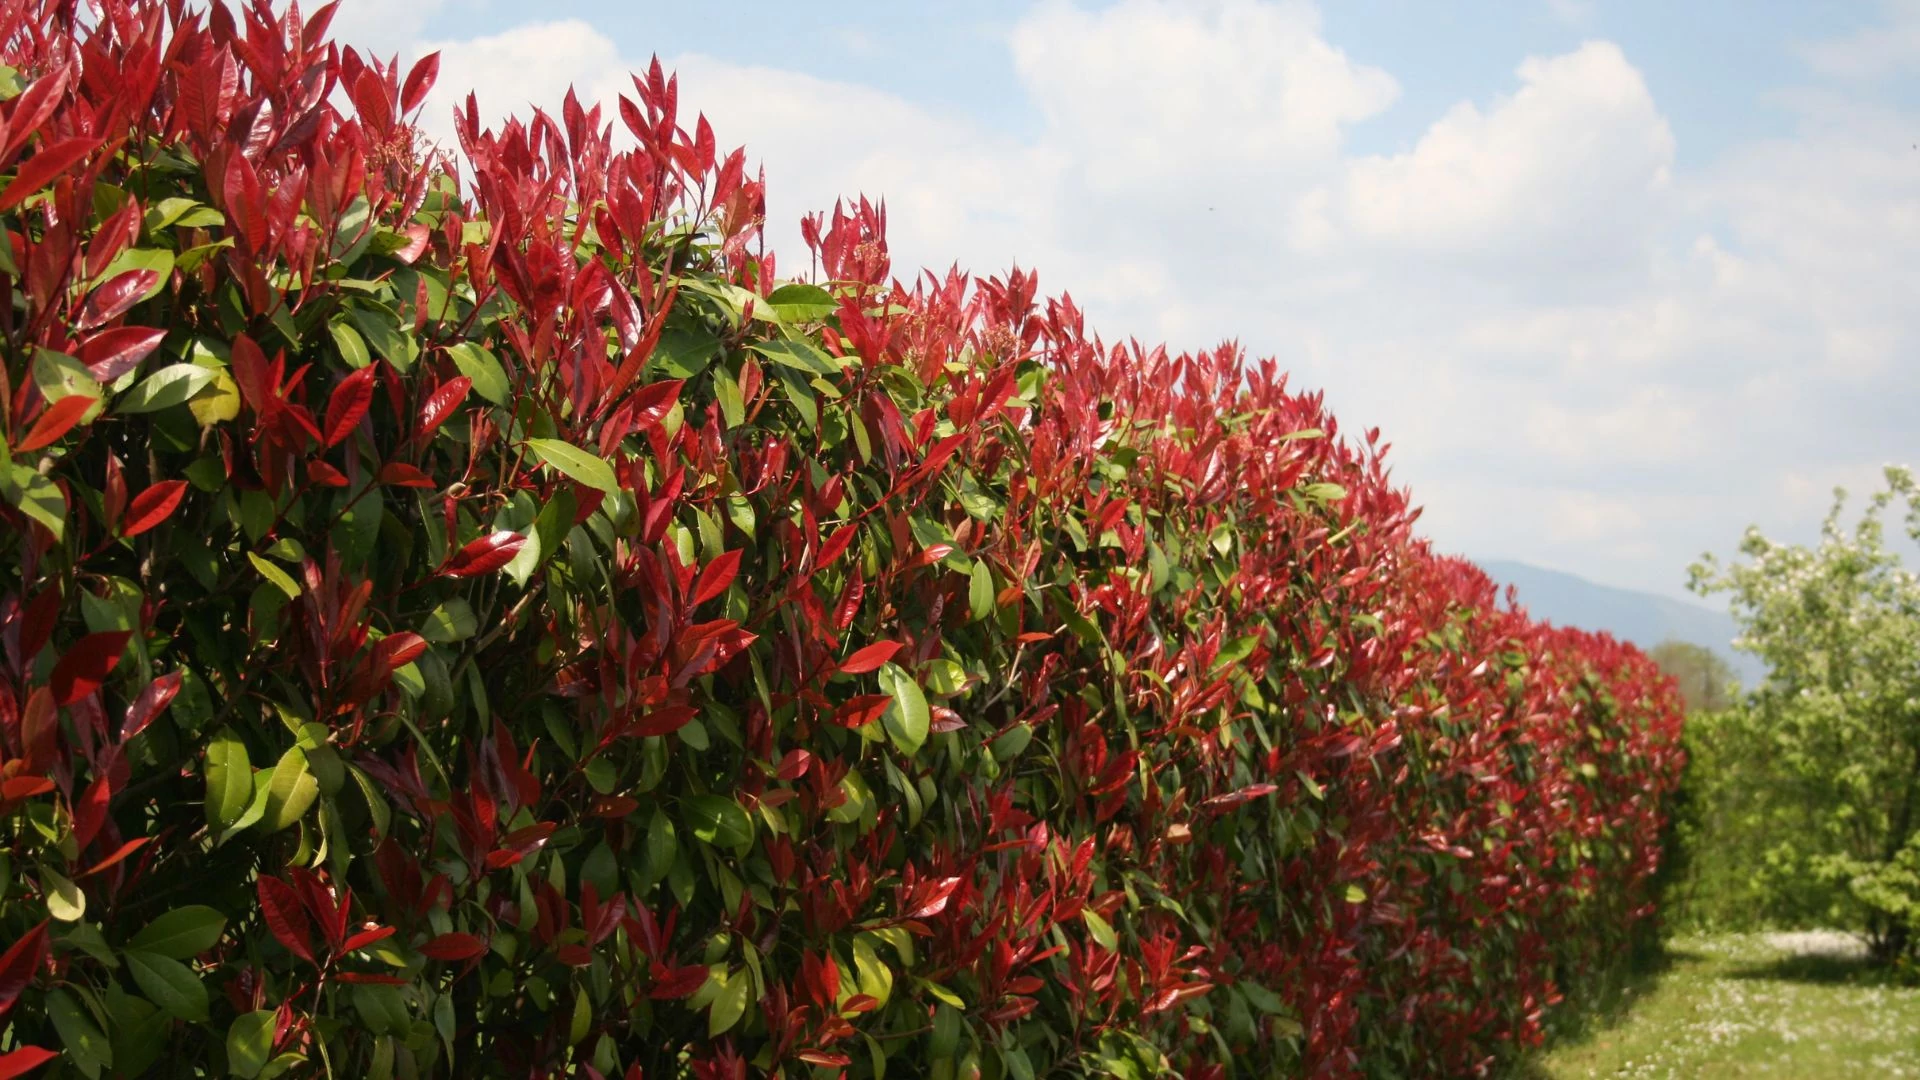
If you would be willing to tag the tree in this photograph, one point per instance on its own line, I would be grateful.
(1830, 742)
(1706, 682)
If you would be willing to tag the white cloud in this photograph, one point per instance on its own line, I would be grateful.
(1569, 172)
(382, 29)
(511, 72)
(1149, 89)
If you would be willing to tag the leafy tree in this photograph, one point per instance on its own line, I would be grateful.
(1706, 682)
(1828, 747)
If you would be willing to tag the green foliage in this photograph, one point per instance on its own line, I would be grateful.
(1814, 777)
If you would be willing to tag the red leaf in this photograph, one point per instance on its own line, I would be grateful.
(86, 665)
(24, 787)
(862, 710)
(42, 167)
(286, 917)
(23, 1061)
(530, 839)
(869, 658)
(369, 978)
(347, 404)
(36, 626)
(40, 730)
(795, 764)
(716, 576)
(485, 555)
(419, 80)
(56, 421)
(110, 354)
(933, 900)
(370, 98)
(249, 367)
(151, 703)
(652, 403)
(21, 962)
(154, 505)
(678, 982)
(442, 403)
(453, 947)
(836, 544)
(401, 474)
(401, 649)
(112, 299)
(664, 721)
(325, 475)
(114, 859)
(91, 811)
(367, 937)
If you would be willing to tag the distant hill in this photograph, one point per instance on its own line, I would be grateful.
(1642, 618)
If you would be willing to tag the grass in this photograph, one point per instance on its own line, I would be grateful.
(1740, 1005)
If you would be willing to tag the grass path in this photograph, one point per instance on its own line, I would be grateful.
(1740, 1005)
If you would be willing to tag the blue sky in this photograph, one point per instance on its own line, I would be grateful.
(1616, 279)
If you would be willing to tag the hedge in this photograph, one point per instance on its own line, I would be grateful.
(468, 614)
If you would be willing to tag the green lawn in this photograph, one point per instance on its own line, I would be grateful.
(1740, 1005)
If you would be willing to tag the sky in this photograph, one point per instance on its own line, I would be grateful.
(1617, 280)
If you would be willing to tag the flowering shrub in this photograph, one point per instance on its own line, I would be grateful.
(471, 616)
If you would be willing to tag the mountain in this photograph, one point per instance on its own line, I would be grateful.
(1642, 618)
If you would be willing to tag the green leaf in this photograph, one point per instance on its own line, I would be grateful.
(719, 821)
(279, 578)
(291, 791)
(250, 1043)
(65, 901)
(802, 355)
(36, 496)
(169, 984)
(229, 779)
(383, 1008)
(662, 847)
(181, 934)
(1262, 998)
(480, 365)
(801, 302)
(171, 385)
(1235, 651)
(729, 1005)
(908, 719)
(381, 327)
(946, 678)
(58, 375)
(575, 463)
(1325, 493)
(1100, 929)
(1355, 894)
(353, 348)
(980, 595)
(452, 621)
(81, 1037)
(871, 974)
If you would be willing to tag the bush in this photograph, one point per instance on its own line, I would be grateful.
(471, 616)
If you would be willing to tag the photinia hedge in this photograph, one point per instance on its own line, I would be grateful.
(468, 615)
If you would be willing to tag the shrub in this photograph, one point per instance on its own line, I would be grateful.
(471, 616)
